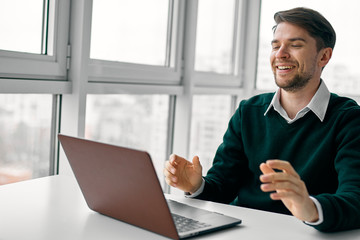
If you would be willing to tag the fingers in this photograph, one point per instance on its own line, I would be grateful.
(284, 166)
(287, 173)
(174, 162)
(278, 176)
(266, 169)
(196, 160)
(280, 195)
(196, 164)
(171, 164)
(175, 159)
(285, 183)
(170, 170)
(169, 173)
(282, 186)
(174, 169)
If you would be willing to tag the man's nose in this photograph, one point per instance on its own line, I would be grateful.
(282, 52)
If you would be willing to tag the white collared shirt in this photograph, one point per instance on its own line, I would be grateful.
(317, 105)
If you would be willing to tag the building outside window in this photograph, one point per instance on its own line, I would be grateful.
(25, 121)
(210, 117)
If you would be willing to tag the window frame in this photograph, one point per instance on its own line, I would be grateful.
(123, 72)
(234, 79)
(19, 65)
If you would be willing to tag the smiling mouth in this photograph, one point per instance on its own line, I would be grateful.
(285, 67)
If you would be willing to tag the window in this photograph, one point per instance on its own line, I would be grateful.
(32, 54)
(136, 41)
(215, 36)
(210, 117)
(33, 43)
(132, 31)
(25, 121)
(135, 121)
(217, 50)
(341, 75)
(22, 21)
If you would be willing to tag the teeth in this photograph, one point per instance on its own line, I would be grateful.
(284, 67)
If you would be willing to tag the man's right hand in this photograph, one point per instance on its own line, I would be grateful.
(182, 174)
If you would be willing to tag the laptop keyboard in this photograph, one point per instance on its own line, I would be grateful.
(184, 224)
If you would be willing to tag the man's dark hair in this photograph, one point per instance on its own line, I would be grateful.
(312, 21)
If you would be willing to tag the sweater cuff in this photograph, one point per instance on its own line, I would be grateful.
(198, 192)
(320, 212)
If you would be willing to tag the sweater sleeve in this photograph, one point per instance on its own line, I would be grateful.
(228, 171)
(342, 209)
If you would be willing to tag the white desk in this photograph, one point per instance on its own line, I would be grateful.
(54, 208)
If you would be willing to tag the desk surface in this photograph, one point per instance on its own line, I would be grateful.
(54, 208)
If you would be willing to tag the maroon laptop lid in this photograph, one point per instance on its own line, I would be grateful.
(120, 183)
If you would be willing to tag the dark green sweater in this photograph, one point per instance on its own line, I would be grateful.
(325, 154)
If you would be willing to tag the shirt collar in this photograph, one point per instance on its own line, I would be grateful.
(317, 105)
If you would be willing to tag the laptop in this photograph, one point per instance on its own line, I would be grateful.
(122, 183)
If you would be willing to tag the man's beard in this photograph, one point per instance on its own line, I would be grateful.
(295, 84)
(299, 81)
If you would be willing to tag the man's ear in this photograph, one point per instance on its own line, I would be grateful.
(325, 55)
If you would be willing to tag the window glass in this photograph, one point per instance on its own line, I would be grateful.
(25, 121)
(132, 31)
(215, 36)
(210, 117)
(342, 74)
(21, 25)
(135, 121)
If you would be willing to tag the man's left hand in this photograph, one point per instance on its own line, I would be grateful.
(288, 187)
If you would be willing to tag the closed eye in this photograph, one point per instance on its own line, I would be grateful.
(274, 46)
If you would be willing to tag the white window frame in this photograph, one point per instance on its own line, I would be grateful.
(212, 79)
(18, 65)
(122, 72)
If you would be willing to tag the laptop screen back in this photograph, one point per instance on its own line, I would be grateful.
(120, 183)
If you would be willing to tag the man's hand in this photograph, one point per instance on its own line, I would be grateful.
(289, 188)
(182, 174)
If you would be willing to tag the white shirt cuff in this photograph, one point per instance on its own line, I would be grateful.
(198, 192)
(320, 212)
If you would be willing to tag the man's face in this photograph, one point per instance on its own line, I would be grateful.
(294, 57)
